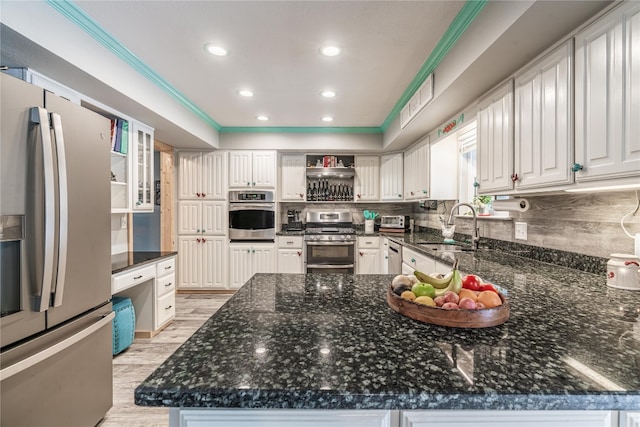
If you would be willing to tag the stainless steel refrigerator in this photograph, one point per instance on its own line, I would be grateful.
(55, 262)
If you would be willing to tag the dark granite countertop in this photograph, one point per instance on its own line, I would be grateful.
(331, 342)
(126, 260)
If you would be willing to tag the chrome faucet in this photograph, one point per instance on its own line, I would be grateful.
(475, 239)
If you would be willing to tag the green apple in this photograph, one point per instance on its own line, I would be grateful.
(424, 289)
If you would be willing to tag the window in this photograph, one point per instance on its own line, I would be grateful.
(467, 147)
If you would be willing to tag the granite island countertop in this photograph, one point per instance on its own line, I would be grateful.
(331, 342)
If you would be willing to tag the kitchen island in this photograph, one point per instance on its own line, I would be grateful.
(330, 342)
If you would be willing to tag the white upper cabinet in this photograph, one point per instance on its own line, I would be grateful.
(202, 176)
(292, 177)
(143, 167)
(252, 169)
(416, 171)
(391, 177)
(495, 140)
(543, 121)
(367, 186)
(607, 101)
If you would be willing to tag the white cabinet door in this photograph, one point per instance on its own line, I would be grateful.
(607, 99)
(368, 261)
(264, 169)
(391, 177)
(189, 175)
(240, 173)
(442, 418)
(292, 177)
(215, 219)
(416, 171)
(214, 263)
(197, 217)
(214, 176)
(367, 181)
(240, 264)
(189, 262)
(495, 140)
(279, 417)
(290, 261)
(255, 169)
(143, 179)
(264, 258)
(629, 419)
(385, 256)
(189, 217)
(202, 175)
(543, 122)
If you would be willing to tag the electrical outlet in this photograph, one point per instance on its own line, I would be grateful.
(521, 231)
(123, 221)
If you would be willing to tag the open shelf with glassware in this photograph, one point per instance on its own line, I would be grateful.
(330, 178)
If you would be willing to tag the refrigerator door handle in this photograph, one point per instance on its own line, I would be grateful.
(63, 221)
(40, 116)
(30, 361)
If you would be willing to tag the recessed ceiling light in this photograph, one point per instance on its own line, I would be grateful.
(330, 50)
(216, 50)
(328, 93)
(262, 118)
(327, 119)
(245, 93)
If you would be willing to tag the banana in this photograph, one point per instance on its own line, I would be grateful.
(434, 281)
(455, 284)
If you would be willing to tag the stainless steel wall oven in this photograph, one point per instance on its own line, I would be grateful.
(252, 215)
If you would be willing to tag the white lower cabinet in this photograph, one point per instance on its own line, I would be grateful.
(416, 261)
(290, 255)
(246, 259)
(368, 255)
(464, 418)
(630, 419)
(203, 262)
(152, 290)
(278, 418)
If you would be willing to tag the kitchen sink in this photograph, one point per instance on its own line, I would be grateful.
(440, 247)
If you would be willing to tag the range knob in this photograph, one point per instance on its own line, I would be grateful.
(316, 237)
(347, 237)
(330, 237)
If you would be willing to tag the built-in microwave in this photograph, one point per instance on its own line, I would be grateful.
(252, 215)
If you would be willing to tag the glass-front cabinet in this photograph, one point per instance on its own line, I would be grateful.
(143, 167)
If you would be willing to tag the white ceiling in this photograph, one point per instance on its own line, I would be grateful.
(274, 51)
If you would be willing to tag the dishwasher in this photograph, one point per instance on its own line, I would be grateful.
(395, 258)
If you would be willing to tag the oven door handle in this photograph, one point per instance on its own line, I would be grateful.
(330, 243)
(342, 266)
(249, 206)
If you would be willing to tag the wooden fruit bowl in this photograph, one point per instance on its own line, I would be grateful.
(461, 318)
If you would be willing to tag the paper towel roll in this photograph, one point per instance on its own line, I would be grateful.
(512, 205)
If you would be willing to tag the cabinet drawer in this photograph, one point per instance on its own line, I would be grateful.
(165, 284)
(371, 242)
(417, 261)
(290, 242)
(165, 308)
(131, 278)
(168, 266)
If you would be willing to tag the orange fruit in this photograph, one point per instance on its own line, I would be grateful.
(467, 293)
(490, 299)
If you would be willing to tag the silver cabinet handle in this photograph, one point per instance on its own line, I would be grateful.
(40, 116)
(137, 277)
(168, 284)
(63, 218)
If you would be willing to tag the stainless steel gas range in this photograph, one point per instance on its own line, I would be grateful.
(330, 242)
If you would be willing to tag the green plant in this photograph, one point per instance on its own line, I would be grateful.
(482, 201)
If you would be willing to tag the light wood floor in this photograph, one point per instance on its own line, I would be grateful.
(134, 364)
